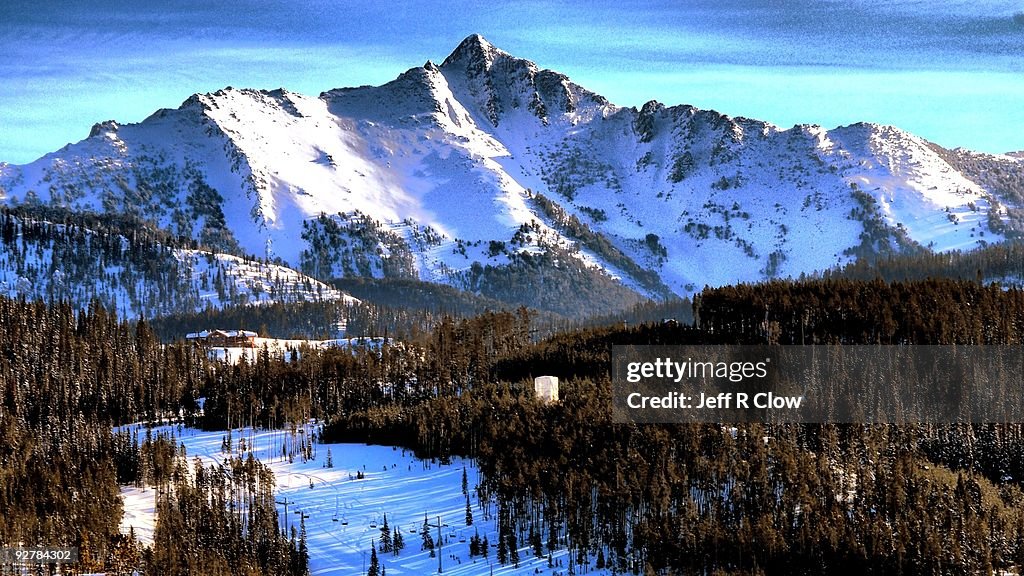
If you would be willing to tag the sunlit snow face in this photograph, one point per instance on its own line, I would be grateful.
(948, 71)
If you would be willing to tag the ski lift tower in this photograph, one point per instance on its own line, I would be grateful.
(439, 526)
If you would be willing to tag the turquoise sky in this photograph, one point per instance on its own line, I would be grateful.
(952, 72)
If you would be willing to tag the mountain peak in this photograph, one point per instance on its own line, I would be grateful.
(474, 49)
(105, 127)
(426, 175)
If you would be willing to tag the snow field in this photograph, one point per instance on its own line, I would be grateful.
(343, 513)
(139, 513)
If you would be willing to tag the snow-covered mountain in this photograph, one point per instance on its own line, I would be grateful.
(487, 171)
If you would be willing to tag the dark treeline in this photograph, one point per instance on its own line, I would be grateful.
(334, 383)
(407, 310)
(1003, 262)
(652, 499)
(851, 312)
(437, 299)
(553, 280)
(273, 320)
(749, 498)
(66, 378)
(132, 226)
(675, 310)
(743, 499)
(323, 320)
(752, 498)
(58, 363)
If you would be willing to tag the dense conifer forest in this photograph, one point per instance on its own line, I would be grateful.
(644, 499)
(1002, 262)
(67, 379)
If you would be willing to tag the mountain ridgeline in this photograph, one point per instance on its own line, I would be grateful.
(490, 174)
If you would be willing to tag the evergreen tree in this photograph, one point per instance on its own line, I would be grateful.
(427, 539)
(374, 569)
(474, 545)
(385, 536)
(303, 547)
(536, 542)
(513, 548)
(502, 550)
(397, 540)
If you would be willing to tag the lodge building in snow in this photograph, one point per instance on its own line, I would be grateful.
(223, 338)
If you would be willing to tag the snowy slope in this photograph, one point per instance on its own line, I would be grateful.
(50, 261)
(436, 170)
(396, 483)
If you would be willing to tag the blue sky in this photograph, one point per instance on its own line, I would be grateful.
(952, 72)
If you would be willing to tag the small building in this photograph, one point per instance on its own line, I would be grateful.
(223, 338)
(546, 388)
